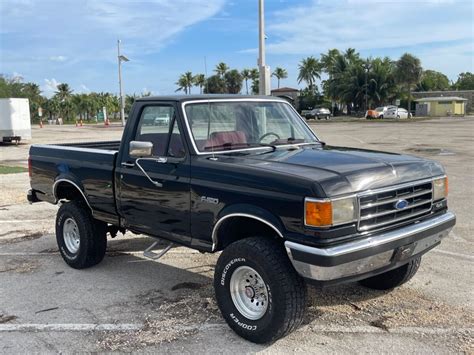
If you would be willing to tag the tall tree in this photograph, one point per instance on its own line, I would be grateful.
(280, 73)
(465, 81)
(381, 85)
(63, 91)
(185, 82)
(408, 73)
(246, 75)
(433, 80)
(309, 70)
(215, 85)
(221, 69)
(255, 76)
(199, 80)
(233, 81)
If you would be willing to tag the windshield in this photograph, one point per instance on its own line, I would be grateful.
(230, 125)
(379, 109)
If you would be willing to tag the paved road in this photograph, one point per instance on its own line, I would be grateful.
(128, 303)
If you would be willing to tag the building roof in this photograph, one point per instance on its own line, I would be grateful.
(182, 98)
(443, 92)
(442, 98)
(284, 89)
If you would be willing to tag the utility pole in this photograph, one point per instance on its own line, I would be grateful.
(367, 67)
(264, 70)
(121, 58)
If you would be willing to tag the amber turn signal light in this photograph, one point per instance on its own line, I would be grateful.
(318, 213)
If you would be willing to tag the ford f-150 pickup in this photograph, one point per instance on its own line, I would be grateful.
(247, 177)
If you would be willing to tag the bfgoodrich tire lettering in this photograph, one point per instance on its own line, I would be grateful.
(92, 235)
(285, 289)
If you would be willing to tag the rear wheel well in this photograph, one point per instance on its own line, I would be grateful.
(237, 228)
(67, 191)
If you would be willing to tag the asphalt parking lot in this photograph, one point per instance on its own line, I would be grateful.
(128, 303)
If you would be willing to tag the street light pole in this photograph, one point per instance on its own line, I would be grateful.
(366, 69)
(121, 58)
(264, 70)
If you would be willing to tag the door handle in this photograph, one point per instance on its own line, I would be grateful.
(162, 160)
(128, 165)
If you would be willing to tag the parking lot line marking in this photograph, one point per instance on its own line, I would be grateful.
(23, 220)
(61, 327)
(451, 253)
(109, 251)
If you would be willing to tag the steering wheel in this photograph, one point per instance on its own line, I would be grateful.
(268, 134)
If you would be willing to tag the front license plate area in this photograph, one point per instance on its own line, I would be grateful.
(404, 252)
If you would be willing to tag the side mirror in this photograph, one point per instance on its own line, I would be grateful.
(140, 149)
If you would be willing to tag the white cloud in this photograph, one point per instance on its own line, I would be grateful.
(365, 25)
(89, 29)
(58, 58)
(83, 89)
(49, 87)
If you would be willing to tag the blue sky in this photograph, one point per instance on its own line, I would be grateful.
(52, 41)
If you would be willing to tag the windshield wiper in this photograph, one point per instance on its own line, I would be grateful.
(273, 146)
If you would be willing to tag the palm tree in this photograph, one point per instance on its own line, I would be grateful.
(246, 75)
(381, 87)
(255, 76)
(63, 91)
(408, 73)
(309, 71)
(185, 82)
(221, 69)
(233, 81)
(199, 80)
(280, 73)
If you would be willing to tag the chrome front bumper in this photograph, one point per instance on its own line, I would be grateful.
(372, 255)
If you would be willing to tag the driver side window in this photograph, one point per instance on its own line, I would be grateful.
(155, 127)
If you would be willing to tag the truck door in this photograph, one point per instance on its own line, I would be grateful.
(154, 192)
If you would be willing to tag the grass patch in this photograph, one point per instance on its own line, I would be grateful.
(12, 169)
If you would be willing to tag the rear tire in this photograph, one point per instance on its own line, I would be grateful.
(82, 240)
(268, 297)
(393, 278)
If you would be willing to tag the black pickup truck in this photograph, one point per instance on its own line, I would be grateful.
(248, 177)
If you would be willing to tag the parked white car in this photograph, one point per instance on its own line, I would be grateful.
(379, 112)
(396, 112)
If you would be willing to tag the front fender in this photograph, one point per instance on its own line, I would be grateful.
(247, 211)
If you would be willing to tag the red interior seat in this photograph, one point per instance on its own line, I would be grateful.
(219, 139)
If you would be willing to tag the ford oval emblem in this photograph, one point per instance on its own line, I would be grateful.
(401, 204)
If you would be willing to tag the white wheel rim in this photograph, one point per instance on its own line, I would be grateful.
(249, 293)
(71, 235)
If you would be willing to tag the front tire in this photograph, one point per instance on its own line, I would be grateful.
(393, 278)
(258, 291)
(82, 240)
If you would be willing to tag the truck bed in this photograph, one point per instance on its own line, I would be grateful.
(102, 145)
(90, 166)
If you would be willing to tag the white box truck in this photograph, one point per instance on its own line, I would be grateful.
(15, 124)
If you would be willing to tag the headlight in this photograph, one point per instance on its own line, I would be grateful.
(326, 213)
(440, 188)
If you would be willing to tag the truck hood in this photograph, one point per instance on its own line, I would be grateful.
(339, 170)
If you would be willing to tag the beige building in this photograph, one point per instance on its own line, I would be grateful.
(441, 106)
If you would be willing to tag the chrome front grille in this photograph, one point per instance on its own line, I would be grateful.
(377, 208)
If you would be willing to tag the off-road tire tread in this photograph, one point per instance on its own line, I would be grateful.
(94, 245)
(272, 253)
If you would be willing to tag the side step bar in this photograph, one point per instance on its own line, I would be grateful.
(148, 253)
